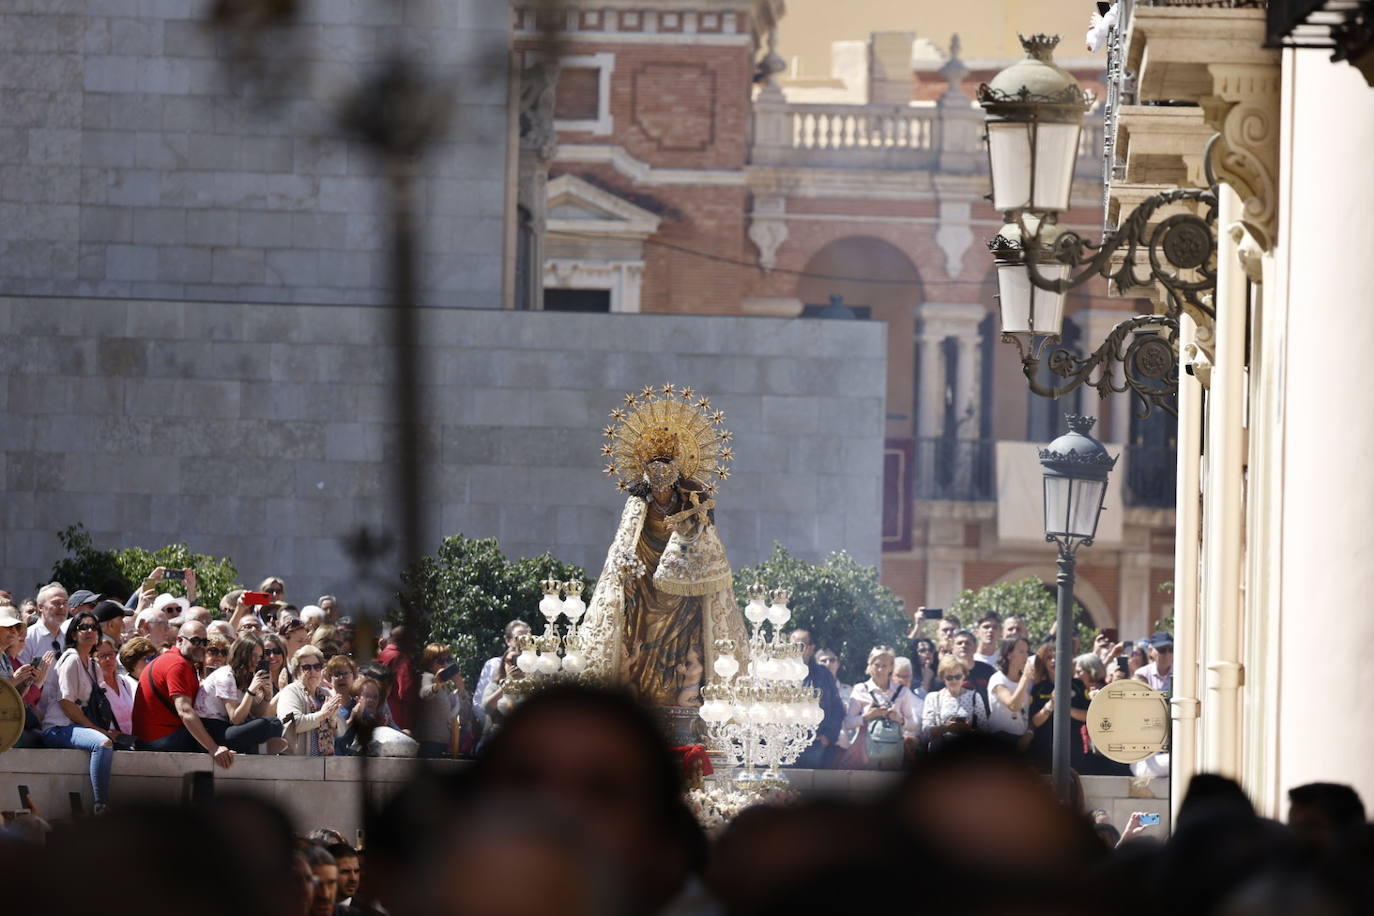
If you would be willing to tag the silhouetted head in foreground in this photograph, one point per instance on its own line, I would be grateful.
(598, 759)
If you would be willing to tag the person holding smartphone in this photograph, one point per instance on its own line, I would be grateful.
(439, 682)
(69, 697)
(234, 701)
(28, 679)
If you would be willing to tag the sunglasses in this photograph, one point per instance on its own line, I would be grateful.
(311, 666)
(197, 641)
(273, 591)
(214, 650)
(272, 652)
(87, 627)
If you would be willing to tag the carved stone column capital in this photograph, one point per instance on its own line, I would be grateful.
(1244, 107)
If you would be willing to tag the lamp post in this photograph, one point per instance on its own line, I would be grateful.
(1034, 118)
(1075, 469)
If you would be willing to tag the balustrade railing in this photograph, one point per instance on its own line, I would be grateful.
(851, 127)
(885, 136)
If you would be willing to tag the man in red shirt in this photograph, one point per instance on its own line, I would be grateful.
(164, 715)
(406, 695)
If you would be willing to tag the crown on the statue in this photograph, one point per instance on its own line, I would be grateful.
(552, 586)
(757, 590)
(573, 587)
(659, 444)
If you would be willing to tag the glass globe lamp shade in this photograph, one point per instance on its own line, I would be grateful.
(550, 606)
(1026, 308)
(756, 612)
(1034, 114)
(527, 661)
(725, 666)
(1075, 467)
(779, 614)
(573, 663)
(574, 607)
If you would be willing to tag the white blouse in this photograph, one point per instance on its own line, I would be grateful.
(122, 702)
(868, 694)
(942, 706)
(217, 692)
(1002, 719)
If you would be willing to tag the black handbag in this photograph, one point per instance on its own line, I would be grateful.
(97, 708)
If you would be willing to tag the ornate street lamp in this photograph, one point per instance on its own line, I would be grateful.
(1034, 118)
(1075, 467)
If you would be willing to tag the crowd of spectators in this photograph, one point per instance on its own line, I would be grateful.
(258, 675)
(158, 672)
(577, 807)
(990, 678)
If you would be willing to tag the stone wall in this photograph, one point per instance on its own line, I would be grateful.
(262, 432)
(326, 791)
(132, 165)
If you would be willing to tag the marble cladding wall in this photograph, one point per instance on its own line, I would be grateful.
(327, 791)
(263, 432)
(132, 164)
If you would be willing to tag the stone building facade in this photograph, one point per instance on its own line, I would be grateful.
(690, 177)
(1273, 493)
(193, 303)
(139, 158)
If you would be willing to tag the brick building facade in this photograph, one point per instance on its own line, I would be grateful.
(689, 178)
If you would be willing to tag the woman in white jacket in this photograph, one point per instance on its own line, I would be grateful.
(307, 711)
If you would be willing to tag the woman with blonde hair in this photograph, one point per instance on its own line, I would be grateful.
(308, 713)
(884, 711)
(276, 587)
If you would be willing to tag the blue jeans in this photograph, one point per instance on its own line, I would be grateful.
(86, 739)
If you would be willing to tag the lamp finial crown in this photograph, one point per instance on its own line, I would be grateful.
(1080, 424)
(1039, 46)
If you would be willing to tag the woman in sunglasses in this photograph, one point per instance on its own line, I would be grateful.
(216, 655)
(274, 650)
(68, 698)
(308, 712)
(135, 655)
(119, 687)
(234, 701)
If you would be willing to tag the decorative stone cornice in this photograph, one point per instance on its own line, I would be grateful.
(1215, 57)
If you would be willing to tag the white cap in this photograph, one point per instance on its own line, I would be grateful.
(9, 617)
(161, 602)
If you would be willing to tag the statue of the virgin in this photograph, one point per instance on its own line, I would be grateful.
(664, 596)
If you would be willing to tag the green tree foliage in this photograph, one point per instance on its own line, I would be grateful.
(1028, 597)
(469, 591)
(843, 604)
(118, 572)
(214, 575)
(86, 567)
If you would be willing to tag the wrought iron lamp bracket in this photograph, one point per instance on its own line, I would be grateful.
(1178, 255)
(1149, 363)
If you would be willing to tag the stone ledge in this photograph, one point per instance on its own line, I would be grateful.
(1171, 48)
(317, 791)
